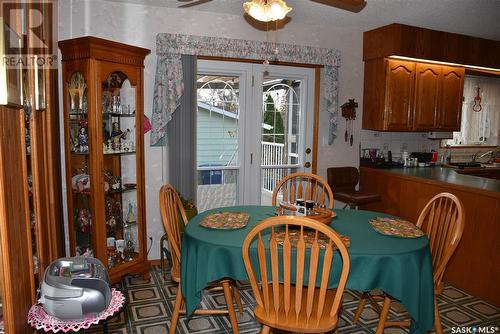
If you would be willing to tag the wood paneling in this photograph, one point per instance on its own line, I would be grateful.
(374, 94)
(415, 42)
(18, 289)
(473, 267)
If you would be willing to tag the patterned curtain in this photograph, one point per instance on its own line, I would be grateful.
(169, 85)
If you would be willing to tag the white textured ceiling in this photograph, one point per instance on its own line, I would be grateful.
(480, 18)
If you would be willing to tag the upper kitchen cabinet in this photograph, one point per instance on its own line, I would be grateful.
(450, 99)
(409, 85)
(427, 78)
(438, 97)
(389, 89)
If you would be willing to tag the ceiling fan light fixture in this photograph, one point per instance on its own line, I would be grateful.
(266, 10)
(278, 9)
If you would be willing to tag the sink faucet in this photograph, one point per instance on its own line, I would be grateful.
(478, 156)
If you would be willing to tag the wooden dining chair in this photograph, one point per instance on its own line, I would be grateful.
(304, 186)
(293, 295)
(171, 210)
(442, 220)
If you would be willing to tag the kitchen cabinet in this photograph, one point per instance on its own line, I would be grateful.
(450, 98)
(479, 247)
(427, 81)
(103, 122)
(411, 96)
(388, 94)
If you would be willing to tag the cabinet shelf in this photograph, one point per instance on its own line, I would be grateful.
(111, 192)
(112, 114)
(120, 153)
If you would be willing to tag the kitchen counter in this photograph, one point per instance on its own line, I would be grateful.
(450, 176)
(404, 192)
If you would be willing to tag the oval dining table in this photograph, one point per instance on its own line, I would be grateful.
(401, 267)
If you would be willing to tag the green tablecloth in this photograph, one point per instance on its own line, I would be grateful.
(400, 267)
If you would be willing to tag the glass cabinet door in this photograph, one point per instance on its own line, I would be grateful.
(118, 110)
(79, 164)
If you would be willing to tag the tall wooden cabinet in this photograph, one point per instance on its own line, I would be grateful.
(30, 187)
(103, 117)
(412, 96)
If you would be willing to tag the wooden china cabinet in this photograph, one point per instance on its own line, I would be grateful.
(103, 127)
(30, 186)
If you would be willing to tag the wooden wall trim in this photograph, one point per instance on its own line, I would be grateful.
(415, 42)
(317, 93)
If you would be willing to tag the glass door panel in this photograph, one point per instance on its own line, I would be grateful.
(281, 134)
(119, 168)
(253, 123)
(79, 164)
(218, 135)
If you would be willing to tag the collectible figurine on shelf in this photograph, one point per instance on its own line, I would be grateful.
(117, 135)
(83, 137)
(131, 214)
(84, 220)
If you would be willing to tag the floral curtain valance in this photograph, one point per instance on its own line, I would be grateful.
(169, 86)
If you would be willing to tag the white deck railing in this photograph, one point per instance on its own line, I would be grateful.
(272, 155)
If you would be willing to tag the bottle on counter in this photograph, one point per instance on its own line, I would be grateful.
(406, 159)
(447, 155)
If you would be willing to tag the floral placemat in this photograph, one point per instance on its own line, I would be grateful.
(396, 227)
(225, 220)
(294, 237)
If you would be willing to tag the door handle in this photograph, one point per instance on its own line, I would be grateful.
(308, 150)
(307, 164)
(251, 158)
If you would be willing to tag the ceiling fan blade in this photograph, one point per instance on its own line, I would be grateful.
(192, 3)
(354, 6)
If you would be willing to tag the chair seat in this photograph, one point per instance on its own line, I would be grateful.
(358, 197)
(290, 322)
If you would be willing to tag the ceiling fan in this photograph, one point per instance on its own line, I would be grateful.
(354, 6)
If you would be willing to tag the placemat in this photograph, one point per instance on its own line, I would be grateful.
(396, 227)
(225, 220)
(323, 240)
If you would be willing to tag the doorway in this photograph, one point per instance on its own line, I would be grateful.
(254, 126)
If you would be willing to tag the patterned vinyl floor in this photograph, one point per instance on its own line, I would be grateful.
(150, 306)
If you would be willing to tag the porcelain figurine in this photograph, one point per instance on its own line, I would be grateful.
(84, 220)
(83, 137)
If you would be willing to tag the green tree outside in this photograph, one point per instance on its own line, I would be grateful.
(273, 118)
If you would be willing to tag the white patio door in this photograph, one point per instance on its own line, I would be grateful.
(254, 126)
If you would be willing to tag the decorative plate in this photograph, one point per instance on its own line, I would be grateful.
(294, 236)
(225, 220)
(396, 227)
